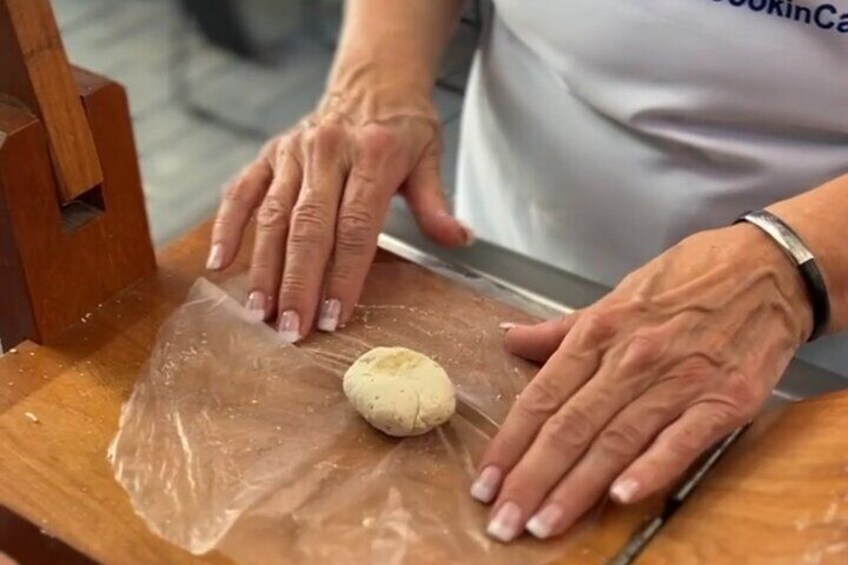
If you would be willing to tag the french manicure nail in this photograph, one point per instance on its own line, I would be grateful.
(328, 319)
(507, 325)
(256, 305)
(290, 326)
(542, 524)
(506, 523)
(216, 257)
(624, 490)
(486, 485)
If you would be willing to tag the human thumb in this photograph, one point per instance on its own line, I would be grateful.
(539, 341)
(426, 200)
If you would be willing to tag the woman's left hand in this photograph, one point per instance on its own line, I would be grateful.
(635, 387)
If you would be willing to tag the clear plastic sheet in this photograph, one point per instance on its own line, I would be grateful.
(233, 441)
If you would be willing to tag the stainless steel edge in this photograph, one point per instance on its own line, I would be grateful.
(554, 290)
(513, 275)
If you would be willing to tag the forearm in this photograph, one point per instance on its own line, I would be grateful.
(389, 50)
(820, 217)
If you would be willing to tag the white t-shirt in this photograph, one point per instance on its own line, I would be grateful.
(597, 133)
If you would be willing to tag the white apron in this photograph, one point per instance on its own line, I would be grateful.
(597, 133)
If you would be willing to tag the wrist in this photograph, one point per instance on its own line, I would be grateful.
(764, 255)
(824, 236)
(377, 90)
(386, 65)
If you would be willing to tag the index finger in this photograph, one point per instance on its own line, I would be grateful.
(576, 360)
(240, 198)
(365, 203)
(310, 236)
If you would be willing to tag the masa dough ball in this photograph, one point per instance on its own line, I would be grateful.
(399, 391)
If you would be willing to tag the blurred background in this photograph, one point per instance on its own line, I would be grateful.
(210, 80)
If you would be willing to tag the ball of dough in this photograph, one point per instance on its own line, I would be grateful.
(399, 391)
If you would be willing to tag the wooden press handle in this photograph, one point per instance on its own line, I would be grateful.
(34, 69)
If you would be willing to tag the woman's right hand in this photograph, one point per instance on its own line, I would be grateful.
(320, 193)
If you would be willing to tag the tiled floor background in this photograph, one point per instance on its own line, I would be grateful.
(185, 158)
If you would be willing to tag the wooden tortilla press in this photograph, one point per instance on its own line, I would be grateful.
(73, 227)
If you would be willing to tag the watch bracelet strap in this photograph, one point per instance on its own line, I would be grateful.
(807, 266)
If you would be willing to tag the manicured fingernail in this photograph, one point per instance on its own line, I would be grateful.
(470, 236)
(216, 257)
(256, 305)
(543, 523)
(507, 325)
(486, 485)
(290, 326)
(328, 319)
(624, 490)
(506, 524)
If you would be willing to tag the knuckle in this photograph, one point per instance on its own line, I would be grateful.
(577, 355)
(569, 430)
(642, 352)
(309, 138)
(286, 153)
(723, 418)
(622, 440)
(694, 369)
(224, 223)
(309, 225)
(376, 140)
(273, 214)
(743, 394)
(289, 144)
(356, 226)
(342, 276)
(685, 445)
(366, 182)
(637, 303)
(541, 397)
(236, 192)
(260, 267)
(555, 440)
(690, 441)
(293, 284)
(323, 138)
(597, 326)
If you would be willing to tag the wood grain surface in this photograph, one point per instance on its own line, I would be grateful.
(780, 495)
(34, 69)
(54, 471)
(54, 274)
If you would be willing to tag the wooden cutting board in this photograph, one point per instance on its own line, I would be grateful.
(59, 409)
(780, 495)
